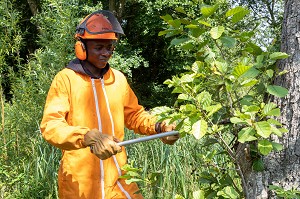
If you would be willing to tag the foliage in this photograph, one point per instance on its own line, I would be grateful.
(225, 94)
(28, 165)
(286, 194)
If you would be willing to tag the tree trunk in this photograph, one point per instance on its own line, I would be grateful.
(283, 168)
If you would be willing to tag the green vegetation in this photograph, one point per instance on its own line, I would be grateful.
(204, 51)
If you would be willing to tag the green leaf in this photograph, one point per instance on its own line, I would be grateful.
(236, 120)
(216, 32)
(175, 23)
(177, 196)
(264, 147)
(270, 73)
(163, 32)
(183, 97)
(188, 108)
(253, 49)
(204, 99)
(278, 55)
(160, 109)
(204, 23)
(276, 131)
(258, 165)
(196, 32)
(186, 78)
(199, 194)
(251, 73)
(208, 10)
(277, 91)
(274, 122)
(249, 82)
(234, 11)
(228, 42)
(180, 9)
(271, 110)
(246, 135)
(263, 129)
(240, 70)
(239, 16)
(199, 129)
(277, 146)
(166, 18)
(177, 41)
(213, 109)
(129, 181)
(186, 126)
(228, 192)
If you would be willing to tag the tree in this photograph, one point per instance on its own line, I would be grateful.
(282, 169)
(226, 95)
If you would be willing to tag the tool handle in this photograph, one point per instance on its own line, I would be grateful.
(147, 138)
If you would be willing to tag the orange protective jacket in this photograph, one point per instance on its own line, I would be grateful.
(77, 103)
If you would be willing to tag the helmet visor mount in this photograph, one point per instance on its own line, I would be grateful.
(101, 24)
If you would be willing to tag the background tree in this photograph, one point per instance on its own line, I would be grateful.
(282, 169)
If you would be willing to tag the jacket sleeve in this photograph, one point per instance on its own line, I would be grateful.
(136, 118)
(54, 126)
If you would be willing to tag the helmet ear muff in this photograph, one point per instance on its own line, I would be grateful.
(80, 50)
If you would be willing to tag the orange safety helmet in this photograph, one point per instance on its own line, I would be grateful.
(101, 24)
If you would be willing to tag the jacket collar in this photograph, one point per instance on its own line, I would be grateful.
(79, 67)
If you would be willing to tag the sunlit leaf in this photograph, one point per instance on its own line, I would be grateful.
(233, 11)
(236, 120)
(240, 70)
(274, 122)
(228, 192)
(175, 23)
(204, 23)
(213, 109)
(166, 17)
(199, 129)
(199, 194)
(278, 55)
(249, 82)
(263, 129)
(239, 16)
(276, 131)
(246, 135)
(264, 147)
(186, 78)
(216, 32)
(183, 97)
(204, 99)
(208, 10)
(269, 107)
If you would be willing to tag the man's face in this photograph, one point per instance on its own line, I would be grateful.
(99, 51)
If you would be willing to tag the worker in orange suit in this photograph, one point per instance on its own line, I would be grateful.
(87, 108)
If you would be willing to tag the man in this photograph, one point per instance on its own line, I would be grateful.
(87, 107)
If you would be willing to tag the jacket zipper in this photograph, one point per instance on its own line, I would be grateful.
(113, 133)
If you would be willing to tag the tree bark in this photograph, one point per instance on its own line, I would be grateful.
(283, 168)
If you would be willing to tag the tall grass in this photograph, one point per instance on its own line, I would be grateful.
(175, 166)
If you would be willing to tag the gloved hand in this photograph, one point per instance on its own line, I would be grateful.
(164, 127)
(102, 145)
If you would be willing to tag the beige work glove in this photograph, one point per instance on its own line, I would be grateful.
(161, 127)
(102, 145)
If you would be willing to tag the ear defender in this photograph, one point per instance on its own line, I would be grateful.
(80, 50)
